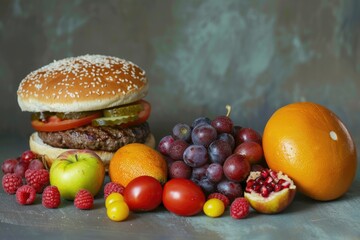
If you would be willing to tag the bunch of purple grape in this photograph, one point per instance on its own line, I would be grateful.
(215, 154)
(19, 165)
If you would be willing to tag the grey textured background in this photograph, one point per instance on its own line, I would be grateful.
(199, 55)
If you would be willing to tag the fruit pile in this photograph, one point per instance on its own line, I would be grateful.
(215, 154)
(211, 165)
(26, 176)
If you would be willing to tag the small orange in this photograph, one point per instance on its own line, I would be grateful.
(312, 146)
(134, 160)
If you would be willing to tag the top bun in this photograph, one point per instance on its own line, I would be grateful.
(83, 83)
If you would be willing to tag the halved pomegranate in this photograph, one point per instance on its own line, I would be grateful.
(269, 191)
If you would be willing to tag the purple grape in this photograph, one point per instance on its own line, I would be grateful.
(227, 138)
(230, 189)
(169, 161)
(182, 131)
(8, 165)
(27, 156)
(218, 151)
(177, 149)
(203, 134)
(179, 169)
(252, 151)
(223, 124)
(200, 120)
(257, 167)
(247, 135)
(165, 144)
(195, 156)
(236, 168)
(214, 172)
(199, 172)
(206, 185)
(36, 164)
(20, 168)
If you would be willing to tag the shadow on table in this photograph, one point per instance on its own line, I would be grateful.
(302, 202)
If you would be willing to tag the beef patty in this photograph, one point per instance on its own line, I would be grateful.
(96, 138)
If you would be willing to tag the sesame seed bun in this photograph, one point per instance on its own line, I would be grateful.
(49, 153)
(80, 84)
(84, 83)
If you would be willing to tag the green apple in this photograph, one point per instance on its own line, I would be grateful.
(77, 169)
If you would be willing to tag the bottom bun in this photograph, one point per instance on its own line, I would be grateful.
(49, 153)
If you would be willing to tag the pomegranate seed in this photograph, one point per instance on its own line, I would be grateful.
(268, 180)
(250, 183)
(281, 181)
(256, 187)
(273, 175)
(269, 188)
(277, 188)
(285, 185)
(259, 181)
(264, 191)
(264, 173)
(266, 183)
(248, 189)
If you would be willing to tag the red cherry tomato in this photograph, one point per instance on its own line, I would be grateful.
(54, 124)
(143, 193)
(183, 197)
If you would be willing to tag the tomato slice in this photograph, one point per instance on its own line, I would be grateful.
(143, 116)
(54, 124)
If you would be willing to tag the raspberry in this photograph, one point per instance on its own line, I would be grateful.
(39, 179)
(239, 208)
(84, 200)
(51, 197)
(221, 197)
(25, 195)
(11, 182)
(111, 187)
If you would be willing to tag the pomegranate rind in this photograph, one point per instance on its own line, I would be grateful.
(276, 202)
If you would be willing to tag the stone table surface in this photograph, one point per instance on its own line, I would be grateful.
(304, 219)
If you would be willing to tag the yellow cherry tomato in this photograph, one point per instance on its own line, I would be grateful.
(113, 197)
(214, 208)
(118, 211)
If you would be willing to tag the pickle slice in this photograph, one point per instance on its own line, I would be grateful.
(74, 115)
(42, 116)
(129, 110)
(113, 121)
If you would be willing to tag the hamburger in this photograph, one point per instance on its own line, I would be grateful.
(90, 102)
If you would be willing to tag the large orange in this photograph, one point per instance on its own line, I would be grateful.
(310, 144)
(134, 160)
